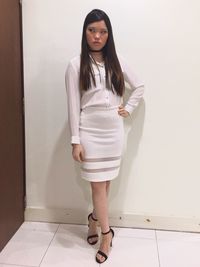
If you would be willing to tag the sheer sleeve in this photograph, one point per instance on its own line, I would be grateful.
(136, 85)
(73, 99)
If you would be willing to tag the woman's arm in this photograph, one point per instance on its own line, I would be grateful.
(73, 99)
(136, 85)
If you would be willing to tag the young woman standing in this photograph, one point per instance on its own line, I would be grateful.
(95, 83)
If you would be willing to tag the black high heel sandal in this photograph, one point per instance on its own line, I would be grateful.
(101, 252)
(92, 236)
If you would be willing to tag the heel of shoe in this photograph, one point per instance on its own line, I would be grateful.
(112, 232)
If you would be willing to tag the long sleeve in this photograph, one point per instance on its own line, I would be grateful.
(73, 99)
(136, 85)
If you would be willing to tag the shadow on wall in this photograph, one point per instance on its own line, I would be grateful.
(133, 133)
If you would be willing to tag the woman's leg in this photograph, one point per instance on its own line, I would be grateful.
(107, 192)
(99, 195)
(107, 187)
(93, 224)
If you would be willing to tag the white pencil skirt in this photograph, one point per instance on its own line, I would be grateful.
(102, 135)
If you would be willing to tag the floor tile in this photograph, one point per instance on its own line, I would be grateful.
(26, 247)
(69, 248)
(140, 251)
(177, 249)
(54, 245)
(7, 265)
(48, 227)
(132, 232)
(131, 247)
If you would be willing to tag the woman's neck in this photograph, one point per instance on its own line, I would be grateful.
(97, 56)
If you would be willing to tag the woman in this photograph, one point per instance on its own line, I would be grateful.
(95, 83)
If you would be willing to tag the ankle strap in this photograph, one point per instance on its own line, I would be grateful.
(106, 232)
(91, 215)
(94, 219)
(110, 231)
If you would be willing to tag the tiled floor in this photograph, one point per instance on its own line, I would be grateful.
(64, 245)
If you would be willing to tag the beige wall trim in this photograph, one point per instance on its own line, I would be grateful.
(117, 220)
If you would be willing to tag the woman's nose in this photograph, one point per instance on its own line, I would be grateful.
(97, 35)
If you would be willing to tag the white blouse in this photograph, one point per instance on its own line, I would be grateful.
(98, 96)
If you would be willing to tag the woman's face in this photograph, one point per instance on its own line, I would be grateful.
(97, 35)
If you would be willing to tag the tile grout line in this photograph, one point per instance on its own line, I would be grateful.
(48, 246)
(157, 248)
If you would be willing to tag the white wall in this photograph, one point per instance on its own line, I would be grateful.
(158, 185)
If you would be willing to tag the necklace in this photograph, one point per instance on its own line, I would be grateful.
(97, 64)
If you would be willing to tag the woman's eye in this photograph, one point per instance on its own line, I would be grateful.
(94, 31)
(91, 30)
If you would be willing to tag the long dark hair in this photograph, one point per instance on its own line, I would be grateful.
(114, 76)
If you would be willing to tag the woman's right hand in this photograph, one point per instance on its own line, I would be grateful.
(78, 152)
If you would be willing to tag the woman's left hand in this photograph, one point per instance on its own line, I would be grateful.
(122, 112)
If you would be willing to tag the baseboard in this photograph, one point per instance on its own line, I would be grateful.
(116, 220)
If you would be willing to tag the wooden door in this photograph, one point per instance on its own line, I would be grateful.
(12, 155)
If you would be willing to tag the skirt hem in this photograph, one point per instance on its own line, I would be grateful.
(99, 180)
